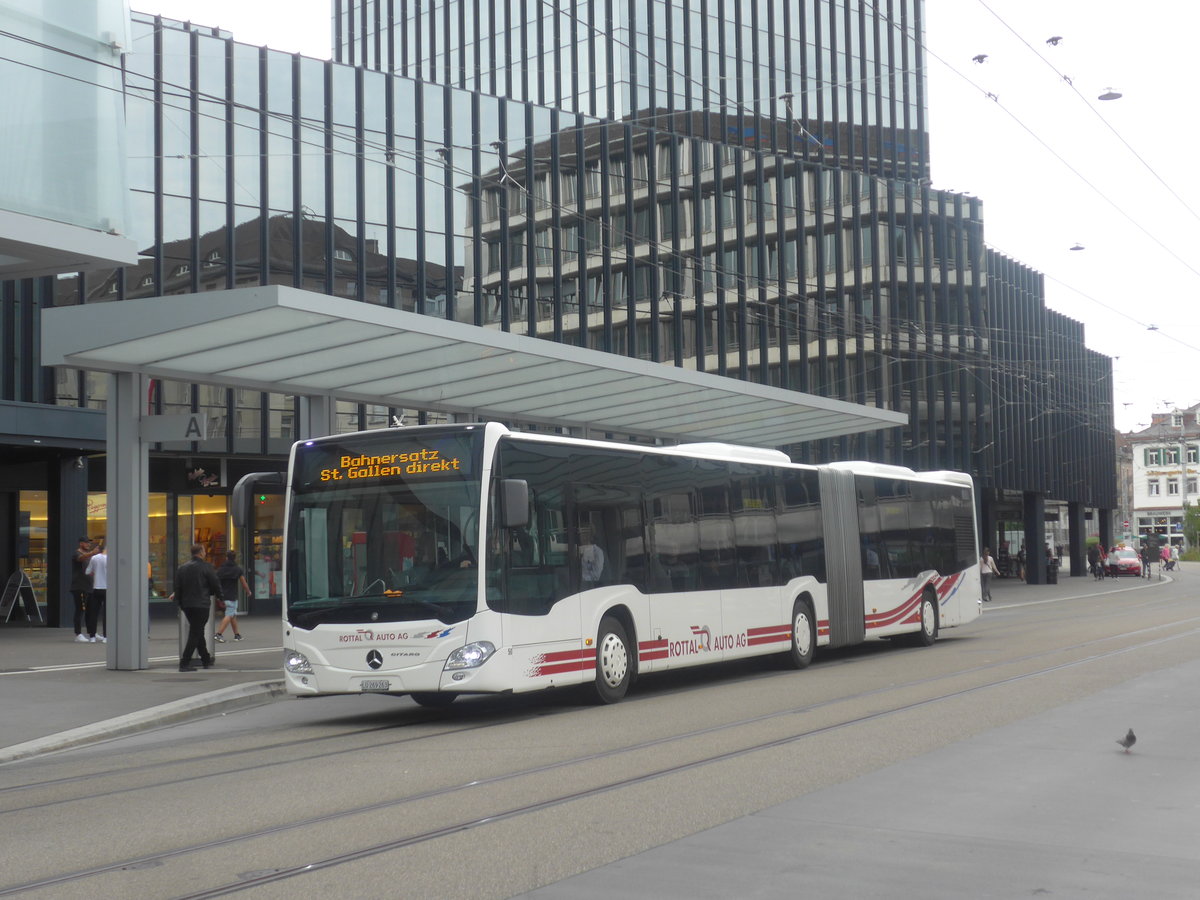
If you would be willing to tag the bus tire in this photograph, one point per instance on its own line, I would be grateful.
(614, 666)
(804, 637)
(432, 699)
(928, 632)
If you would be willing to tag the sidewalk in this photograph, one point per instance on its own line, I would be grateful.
(56, 693)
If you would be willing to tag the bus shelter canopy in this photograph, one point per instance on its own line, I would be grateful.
(283, 339)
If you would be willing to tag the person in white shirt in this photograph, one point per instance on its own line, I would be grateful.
(987, 568)
(591, 559)
(97, 570)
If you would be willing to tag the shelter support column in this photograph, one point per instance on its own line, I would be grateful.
(1035, 537)
(989, 535)
(316, 416)
(1077, 538)
(1106, 527)
(127, 486)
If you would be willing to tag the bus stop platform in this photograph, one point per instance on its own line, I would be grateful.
(56, 693)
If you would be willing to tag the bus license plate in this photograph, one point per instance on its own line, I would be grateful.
(374, 684)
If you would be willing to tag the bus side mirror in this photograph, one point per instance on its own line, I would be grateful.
(272, 482)
(514, 503)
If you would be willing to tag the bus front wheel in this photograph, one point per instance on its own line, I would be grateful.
(614, 669)
(804, 637)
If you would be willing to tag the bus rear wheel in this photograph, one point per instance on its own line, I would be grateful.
(929, 620)
(614, 670)
(804, 637)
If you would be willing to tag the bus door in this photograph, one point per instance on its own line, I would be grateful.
(754, 608)
(684, 581)
(843, 558)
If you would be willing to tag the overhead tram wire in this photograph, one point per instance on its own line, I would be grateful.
(994, 99)
(1096, 112)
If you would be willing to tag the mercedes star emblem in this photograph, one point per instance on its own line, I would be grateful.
(374, 659)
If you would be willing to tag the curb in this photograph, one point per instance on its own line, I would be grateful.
(237, 696)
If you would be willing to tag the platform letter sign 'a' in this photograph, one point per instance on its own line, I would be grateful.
(181, 427)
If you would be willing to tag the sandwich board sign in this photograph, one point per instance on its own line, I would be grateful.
(19, 589)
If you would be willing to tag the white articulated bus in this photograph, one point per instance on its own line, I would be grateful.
(443, 560)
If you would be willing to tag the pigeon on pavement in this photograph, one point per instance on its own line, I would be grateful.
(1128, 741)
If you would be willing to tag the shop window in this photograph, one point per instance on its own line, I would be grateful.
(32, 552)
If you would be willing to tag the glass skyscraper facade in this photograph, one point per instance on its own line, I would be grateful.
(839, 82)
(738, 188)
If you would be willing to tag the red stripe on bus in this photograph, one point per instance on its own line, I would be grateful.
(563, 655)
(768, 629)
(581, 665)
(892, 616)
(770, 634)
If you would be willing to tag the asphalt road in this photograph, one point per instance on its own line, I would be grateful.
(996, 742)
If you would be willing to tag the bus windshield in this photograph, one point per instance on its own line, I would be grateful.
(384, 532)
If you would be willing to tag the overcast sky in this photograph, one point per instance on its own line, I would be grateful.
(1055, 167)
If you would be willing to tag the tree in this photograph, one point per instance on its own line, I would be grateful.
(1191, 525)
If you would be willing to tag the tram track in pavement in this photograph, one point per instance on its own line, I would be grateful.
(1151, 636)
(411, 718)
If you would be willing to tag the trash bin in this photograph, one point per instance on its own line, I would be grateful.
(1052, 572)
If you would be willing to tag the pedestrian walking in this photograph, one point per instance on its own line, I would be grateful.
(195, 583)
(81, 584)
(987, 568)
(97, 571)
(230, 576)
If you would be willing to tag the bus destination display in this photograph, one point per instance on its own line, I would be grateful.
(355, 463)
(391, 465)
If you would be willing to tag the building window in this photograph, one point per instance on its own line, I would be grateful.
(1154, 457)
(1152, 487)
(1191, 485)
(1173, 487)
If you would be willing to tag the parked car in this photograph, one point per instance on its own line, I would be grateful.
(1123, 562)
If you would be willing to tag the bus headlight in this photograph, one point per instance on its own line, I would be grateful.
(471, 656)
(296, 662)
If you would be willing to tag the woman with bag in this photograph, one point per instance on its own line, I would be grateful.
(230, 575)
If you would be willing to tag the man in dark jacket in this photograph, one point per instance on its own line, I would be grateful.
(195, 583)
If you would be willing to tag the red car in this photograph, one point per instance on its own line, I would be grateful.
(1123, 562)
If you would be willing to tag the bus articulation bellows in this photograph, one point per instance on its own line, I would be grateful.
(444, 560)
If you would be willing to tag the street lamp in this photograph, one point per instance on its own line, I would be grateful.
(1183, 474)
